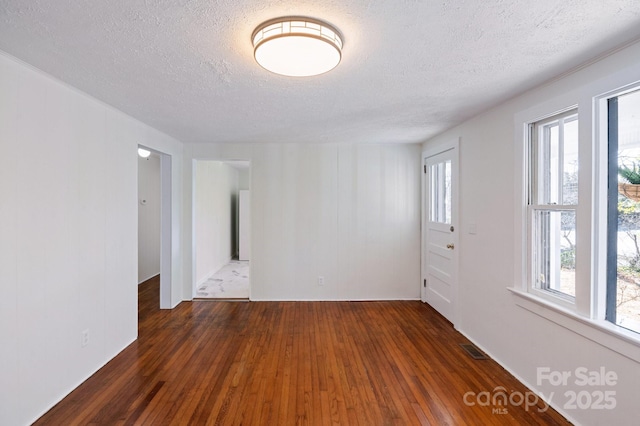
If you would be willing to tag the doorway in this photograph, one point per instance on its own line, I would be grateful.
(154, 221)
(440, 225)
(221, 229)
(149, 205)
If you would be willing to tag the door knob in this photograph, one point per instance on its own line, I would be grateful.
(450, 246)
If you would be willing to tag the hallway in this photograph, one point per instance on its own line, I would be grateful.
(230, 282)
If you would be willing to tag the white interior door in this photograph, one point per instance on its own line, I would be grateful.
(441, 230)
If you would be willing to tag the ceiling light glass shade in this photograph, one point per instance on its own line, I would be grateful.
(297, 47)
(144, 153)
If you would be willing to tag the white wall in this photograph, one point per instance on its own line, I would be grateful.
(519, 339)
(244, 183)
(243, 178)
(68, 251)
(216, 192)
(350, 213)
(148, 217)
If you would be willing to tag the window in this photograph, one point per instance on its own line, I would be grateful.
(623, 211)
(577, 252)
(552, 205)
(440, 192)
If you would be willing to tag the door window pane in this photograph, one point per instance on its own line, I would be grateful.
(440, 192)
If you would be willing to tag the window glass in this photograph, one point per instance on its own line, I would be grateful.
(570, 163)
(623, 286)
(557, 161)
(553, 203)
(440, 192)
(554, 252)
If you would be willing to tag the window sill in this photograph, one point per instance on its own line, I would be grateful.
(613, 337)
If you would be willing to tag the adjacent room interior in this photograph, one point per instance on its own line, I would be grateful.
(221, 229)
(149, 213)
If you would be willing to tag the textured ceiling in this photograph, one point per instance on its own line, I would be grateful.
(410, 68)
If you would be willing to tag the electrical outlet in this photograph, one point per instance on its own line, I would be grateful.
(84, 338)
(320, 280)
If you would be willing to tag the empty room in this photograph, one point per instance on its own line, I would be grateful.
(363, 212)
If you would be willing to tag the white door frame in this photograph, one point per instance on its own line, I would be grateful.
(194, 279)
(165, 227)
(453, 144)
(165, 231)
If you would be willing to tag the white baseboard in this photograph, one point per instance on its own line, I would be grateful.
(149, 277)
(336, 300)
(552, 404)
(73, 387)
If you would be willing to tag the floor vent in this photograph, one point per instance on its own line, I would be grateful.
(473, 351)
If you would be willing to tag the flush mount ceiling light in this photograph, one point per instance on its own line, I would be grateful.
(144, 153)
(297, 47)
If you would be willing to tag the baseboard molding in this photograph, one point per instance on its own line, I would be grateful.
(93, 371)
(520, 379)
(149, 277)
(336, 300)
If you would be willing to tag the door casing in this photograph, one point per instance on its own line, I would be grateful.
(452, 145)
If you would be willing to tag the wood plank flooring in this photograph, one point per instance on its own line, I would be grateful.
(277, 363)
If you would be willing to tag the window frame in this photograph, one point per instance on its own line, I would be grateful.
(587, 317)
(601, 290)
(534, 204)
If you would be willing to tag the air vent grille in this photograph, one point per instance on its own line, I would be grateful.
(473, 351)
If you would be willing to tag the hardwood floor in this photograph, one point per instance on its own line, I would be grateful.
(277, 363)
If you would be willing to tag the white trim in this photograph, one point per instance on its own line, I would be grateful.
(522, 119)
(599, 185)
(610, 336)
(149, 277)
(194, 283)
(588, 319)
(192, 231)
(384, 299)
(553, 404)
(436, 149)
(76, 384)
(423, 229)
(450, 145)
(166, 194)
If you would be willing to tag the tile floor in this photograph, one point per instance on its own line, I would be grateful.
(230, 282)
